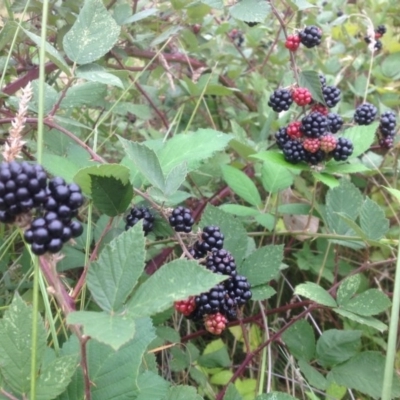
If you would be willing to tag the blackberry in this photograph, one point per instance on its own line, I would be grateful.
(365, 114)
(387, 123)
(186, 307)
(386, 142)
(328, 143)
(138, 213)
(238, 289)
(280, 100)
(332, 95)
(378, 45)
(293, 151)
(215, 323)
(292, 42)
(301, 96)
(311, 145)
(293, 130)
(320, 108)
(315, 158)
(322, 80)
(281, 137)
(344, 149)
(335, 122)
(181, 219)
(380, 29)
(221, 262)
(251, 23)
(314, 125)
(212, 239)
(197, 252)
(211, 302)
(310, 36)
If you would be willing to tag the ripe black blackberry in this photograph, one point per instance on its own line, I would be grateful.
(293, 151)
(365, 114)
(251, 23)
(136, 214)
(221, 262)
(380, 29)
(280, 100)
(332, 95)
(335, 122)
(211, 302)
(344, 149)
(378, 45)
(181, 219)
(387, 123)
(314, 158)
(322, 80)
(238, 289)
(314, 125)
(212, 239)
(281, 137)
(310, 36)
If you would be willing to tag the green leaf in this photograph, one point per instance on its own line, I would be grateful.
(218, 4)
(241, 184)
(50, 97)
(326, 179)
(233, 230)
(51, 52)
(16, 344)
(114, 330)
(263, 265)
(231, 393)
(139, 16)
(348, 288)
(240, 211)
(369, 321)
(364, 372)
(93, 34)
(393, 192)
(250, 10)
(112, 278)
(146, 162)
(316, 293)
(56, 376)
(151, 386)
(345, 199)
(312, 375)
(275, 396)
(84, 176)
(175, 179)
(372, 220)
(215, 359)
(275, 178)
(169, 284)
(278, 158)
(262, 292)
(336, 346)
(337, 168)
(96, 73)
(311, 81)
(85, 94)
(362, 138)
(299, 5)
(60, 166)
(370, 302)
(294, 208)
(110, 195)
(300, 340)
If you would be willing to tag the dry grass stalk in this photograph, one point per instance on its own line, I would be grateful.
(14, 143)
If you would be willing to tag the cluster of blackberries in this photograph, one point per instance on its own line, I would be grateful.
(310, 36)
(219, 304)
(379, 32)
(387, 129)
(23, 188)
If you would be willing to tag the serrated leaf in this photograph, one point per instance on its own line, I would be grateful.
(112, 278)
(173, 282)
(337, 168)
(263, 265)
(300, 340)
(326, 179)
(262, 292)
(370, 302)
(362, 138)
(313, 376)
(192, 148)
(16, 344)
(84, 176)
(114, 330)
(311, 81)
(233, 230)
(275, 396)
(96, 73)
(372, 220)
(369, 321)
(175, 179)
(393, 192)
(60, 166)
(232, 393)
(140, 15)
(278, 158)
(365, 372)
(250, 10)
(241, 184)
(240, 211)
(84, 94)
(316, 293)
(93, 34)
(336, 346)
(218, 4)
(110, 195)
(348, 288)
(151, 386)
(275, 177)
(182, 393)
(146, 162)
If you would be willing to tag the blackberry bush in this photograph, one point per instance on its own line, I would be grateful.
(365, 114)
(280, 100)
(136, 214)
(310, 36)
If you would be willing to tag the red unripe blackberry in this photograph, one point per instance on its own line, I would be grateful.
(365, 114)
(281, 137)
(301, 96)
(344, 149)
(292, 42)
(315, 158)
(386, 142)
(293, 152)
(311, 36)
(293, 130)
(181, 219)
(328, 143)
(212, 239)
(185, 307)
(311, 145)
(332, 95)
(138, 213)
(221, 262)
(215, 323)
(280, 100)
(387, 123)
(314, 125)
(320, 108)
(335, 122)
